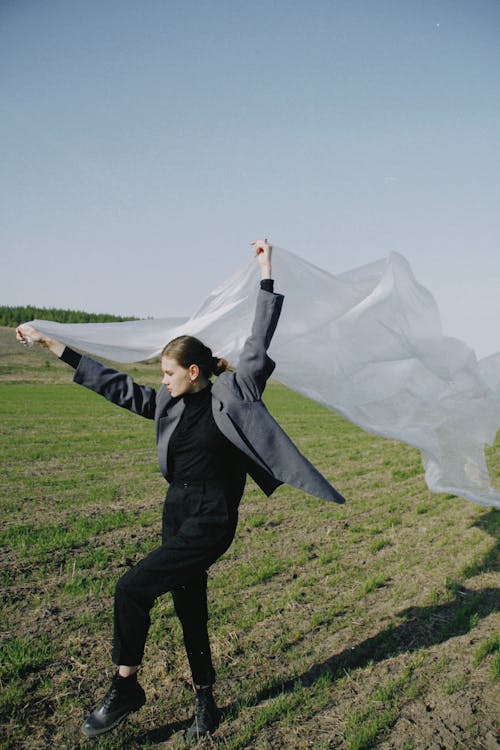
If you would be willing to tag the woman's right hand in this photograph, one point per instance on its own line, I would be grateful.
(26, 334)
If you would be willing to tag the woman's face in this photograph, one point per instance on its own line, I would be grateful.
(176, 379)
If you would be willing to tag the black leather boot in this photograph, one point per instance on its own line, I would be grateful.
(206, 716)
(124, 696)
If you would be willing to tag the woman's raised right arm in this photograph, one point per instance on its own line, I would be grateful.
(254, 365)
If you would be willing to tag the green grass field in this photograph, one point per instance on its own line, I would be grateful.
(371, 624)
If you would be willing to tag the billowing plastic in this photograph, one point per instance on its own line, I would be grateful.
(366, 343)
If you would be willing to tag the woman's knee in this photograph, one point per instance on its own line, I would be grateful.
(126, 587)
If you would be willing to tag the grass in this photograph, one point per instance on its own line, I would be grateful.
(328, 624)
(489, 647)
(20, 656)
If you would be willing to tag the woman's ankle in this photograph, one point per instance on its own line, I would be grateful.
(124, 671)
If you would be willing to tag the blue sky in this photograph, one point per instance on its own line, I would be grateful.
(144, 144)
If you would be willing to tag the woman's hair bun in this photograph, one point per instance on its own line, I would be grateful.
(219, 365)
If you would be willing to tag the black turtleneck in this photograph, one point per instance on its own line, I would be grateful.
(197, 449)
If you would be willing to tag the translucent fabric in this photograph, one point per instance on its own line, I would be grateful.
(366, 343)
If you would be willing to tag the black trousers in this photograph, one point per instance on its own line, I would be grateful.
(199, 522)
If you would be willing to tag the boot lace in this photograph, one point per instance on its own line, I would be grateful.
(110, 697)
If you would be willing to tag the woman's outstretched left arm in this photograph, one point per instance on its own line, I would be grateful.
(26, 333)
(115, 386)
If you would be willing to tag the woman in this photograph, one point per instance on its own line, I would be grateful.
(208, 438)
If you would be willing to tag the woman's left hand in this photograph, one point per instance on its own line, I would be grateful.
(263, 250)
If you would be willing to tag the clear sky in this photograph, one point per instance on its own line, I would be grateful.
(145, 143)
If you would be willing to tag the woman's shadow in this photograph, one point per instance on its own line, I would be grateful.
(420, 627)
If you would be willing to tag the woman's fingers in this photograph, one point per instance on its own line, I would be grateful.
(23, 338)
(20, 333)
(261, 246)
(263, 252)
(26, 334)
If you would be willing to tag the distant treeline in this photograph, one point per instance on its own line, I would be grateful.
(14, 316)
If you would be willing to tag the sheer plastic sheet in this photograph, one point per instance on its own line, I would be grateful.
(366, 343)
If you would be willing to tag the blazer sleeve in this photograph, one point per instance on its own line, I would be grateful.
(254, 365)
(117, 387)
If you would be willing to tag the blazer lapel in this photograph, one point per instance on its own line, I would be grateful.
(165, 426)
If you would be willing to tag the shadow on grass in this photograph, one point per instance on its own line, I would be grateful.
(421, 627)
(161, 734)
(490, 562)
